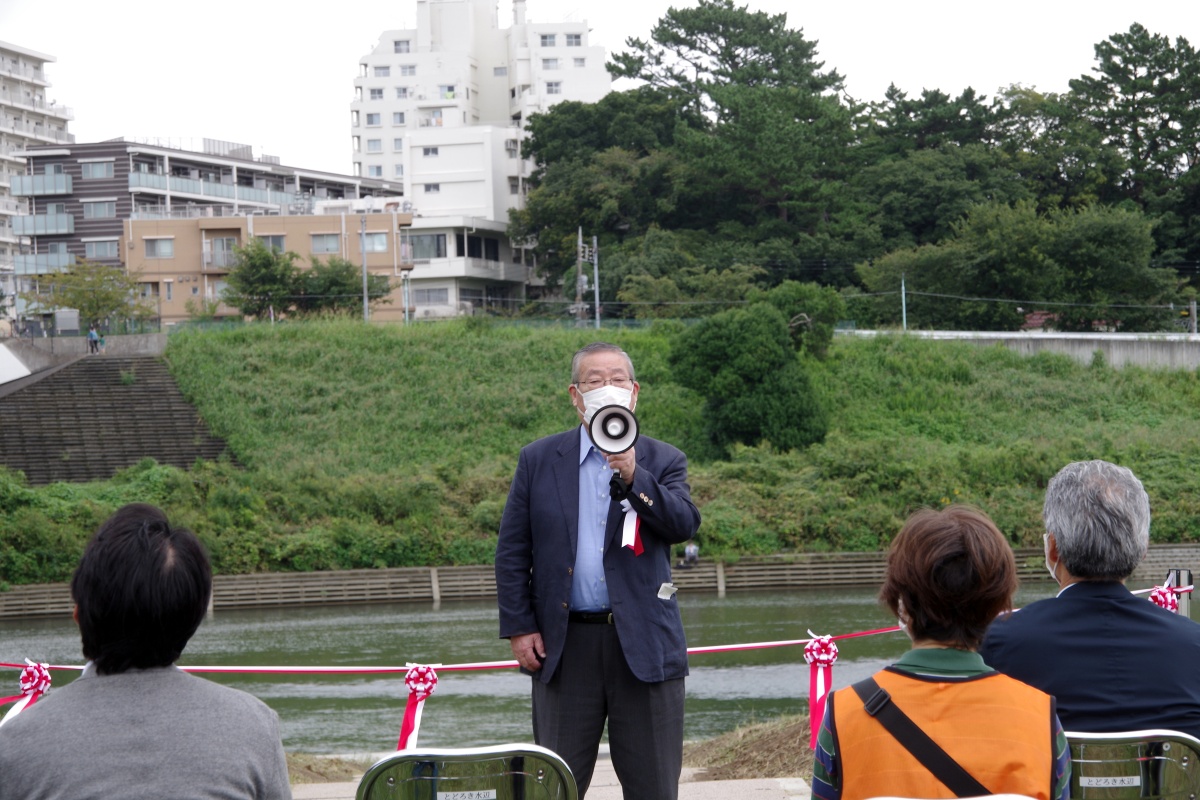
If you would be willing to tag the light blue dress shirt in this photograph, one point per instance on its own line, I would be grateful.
(589, 591)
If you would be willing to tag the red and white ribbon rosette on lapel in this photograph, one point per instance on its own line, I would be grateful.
(820, 653)
(35, 680)
(421, 681)
(631, 529)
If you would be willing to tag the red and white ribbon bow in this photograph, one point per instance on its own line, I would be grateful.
(35, 681)
(820, 653)
(1166, 597)
(421, 681)
(631, 529)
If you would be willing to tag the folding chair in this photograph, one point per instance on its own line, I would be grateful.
(1134, 764)
(502, 772)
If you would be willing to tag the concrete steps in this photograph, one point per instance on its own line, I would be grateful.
(98, 415)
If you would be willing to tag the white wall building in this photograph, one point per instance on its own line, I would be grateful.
(26, 119)
(442, 108)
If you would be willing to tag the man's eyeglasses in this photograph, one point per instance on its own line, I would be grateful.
(621, 382)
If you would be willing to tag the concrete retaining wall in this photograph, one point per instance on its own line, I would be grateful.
(1158, 350)
(425, 584)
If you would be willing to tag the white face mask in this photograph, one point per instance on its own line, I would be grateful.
(597, 399)
(1051, 566)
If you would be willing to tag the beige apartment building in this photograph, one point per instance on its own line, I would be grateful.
(182, 263)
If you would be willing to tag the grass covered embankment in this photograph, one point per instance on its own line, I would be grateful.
(393, 446)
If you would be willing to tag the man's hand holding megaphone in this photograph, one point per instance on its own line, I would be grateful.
(614, 431)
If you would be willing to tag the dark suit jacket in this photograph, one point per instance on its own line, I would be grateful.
(1114, 661)
(535, 554)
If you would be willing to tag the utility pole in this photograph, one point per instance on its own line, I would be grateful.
(580, 311)
(903, 305)
(362, 245)
(596, 278)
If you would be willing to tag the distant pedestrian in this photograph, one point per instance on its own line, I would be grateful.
(691, 554)
(102, 344)
(93, 340)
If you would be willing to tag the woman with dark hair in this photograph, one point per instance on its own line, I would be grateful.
(939, 722)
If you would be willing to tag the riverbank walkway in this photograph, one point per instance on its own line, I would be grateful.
(605, 786)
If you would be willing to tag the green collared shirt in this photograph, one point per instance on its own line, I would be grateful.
(942, 661)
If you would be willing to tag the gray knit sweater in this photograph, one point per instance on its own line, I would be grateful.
(156, 733)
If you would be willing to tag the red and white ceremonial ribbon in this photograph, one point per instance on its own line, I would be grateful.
(421, 681)
(35, 680)
(820, 653)
(631, 529)
(1168, 597)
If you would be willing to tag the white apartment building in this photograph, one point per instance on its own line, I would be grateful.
(26, 119)
(441, 107)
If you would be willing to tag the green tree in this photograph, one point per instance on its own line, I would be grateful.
(755, 388)
(692, 50)
(335, 287)
(812, 312)
(262, 280)
(98, 291)
(688, 292)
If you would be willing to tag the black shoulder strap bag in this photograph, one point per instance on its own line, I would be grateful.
(878, 703)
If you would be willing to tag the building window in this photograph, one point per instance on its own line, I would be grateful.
(104, 209)
(56, 208)
(169, 284)
(376, 94)
(376, 243)
(397, 117)
(54, 169)
(272, 241)
(511, 147)
(100, 250)
(549, 63)
(429, 152)
(431, 297)
(514, 185)
(574, 40)
(433, 188)
(373, 119)
(548, 40)
(398, 143)
(374, 171)
(325, 243)
(446, 92)
(399, 170)
(357, 143)
(554, 87)
(383, 72)
(428, 245)
(401, 92)
(354, 119)
(499, 72)
(401, 46)
(160, 248)
(580, 63)
(408, 70)
(374, 145)
(96, 169)
(148, 290)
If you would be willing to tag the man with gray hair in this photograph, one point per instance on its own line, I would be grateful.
(1114, 661)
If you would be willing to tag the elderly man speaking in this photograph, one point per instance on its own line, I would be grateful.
(1114, 661)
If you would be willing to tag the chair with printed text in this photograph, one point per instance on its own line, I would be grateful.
(1134, 764)
(502, 772)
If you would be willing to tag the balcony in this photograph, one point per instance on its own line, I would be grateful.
(42, 263)
(37, 130)
(194, 187)
(219, 261)
(41, 185)
(44, 224)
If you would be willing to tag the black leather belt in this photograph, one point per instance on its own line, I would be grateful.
(592, 617)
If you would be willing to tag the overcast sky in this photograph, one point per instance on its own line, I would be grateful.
(141, 68)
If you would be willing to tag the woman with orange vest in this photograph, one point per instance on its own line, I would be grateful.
(940, 723)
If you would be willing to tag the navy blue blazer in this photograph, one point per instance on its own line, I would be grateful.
(539, 532)
(1114, 660)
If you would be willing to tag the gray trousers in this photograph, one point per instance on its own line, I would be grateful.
(645, 720)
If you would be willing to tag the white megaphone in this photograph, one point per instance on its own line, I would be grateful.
(614, 429)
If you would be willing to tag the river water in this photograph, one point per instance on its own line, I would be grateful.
(362, 713)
